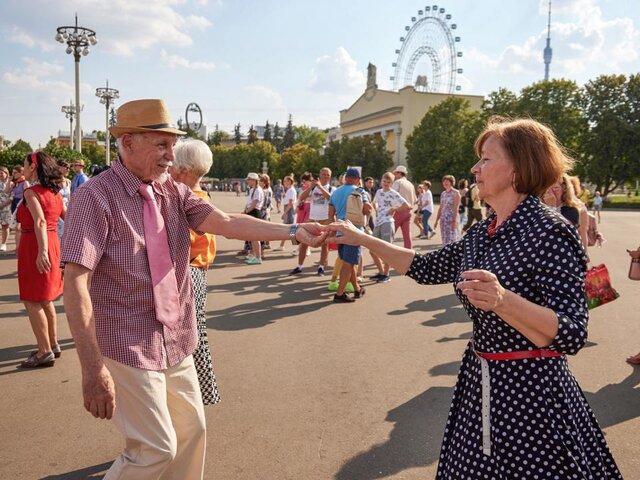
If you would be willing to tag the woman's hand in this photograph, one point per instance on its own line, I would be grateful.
(482, 289)
(42, 262)
(312, 234)
(349, 234)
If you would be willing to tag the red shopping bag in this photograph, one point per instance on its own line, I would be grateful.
(597, 288)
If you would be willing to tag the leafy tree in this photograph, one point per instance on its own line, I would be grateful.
(289, 137)
(14, 154)
(237, 161)
(307, 136)
(277, 137)
(557, 104)
(297, 159)
(502, 102)
(266, 137)
(368, 152)
(63, 152)
(237, 136)
(253, 135)
(442, 144)
(612, 141)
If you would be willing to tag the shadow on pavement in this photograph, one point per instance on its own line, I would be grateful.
(617, 402)
(444, 302)
(95, 472)
(14, 356)
(293, 299)
(414, 441)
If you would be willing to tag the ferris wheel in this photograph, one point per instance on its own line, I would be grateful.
(428, 57)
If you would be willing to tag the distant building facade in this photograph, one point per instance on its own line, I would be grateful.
(63, 139)
(392, 115)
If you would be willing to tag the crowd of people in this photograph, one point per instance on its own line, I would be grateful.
(137, 241)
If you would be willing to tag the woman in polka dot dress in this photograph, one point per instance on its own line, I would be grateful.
(517, 411)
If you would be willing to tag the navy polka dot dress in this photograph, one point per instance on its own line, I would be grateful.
(539, 422)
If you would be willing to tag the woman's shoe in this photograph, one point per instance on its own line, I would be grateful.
(57, 351)
(34, 361)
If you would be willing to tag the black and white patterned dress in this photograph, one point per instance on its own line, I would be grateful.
(202, 355)
(541, 426)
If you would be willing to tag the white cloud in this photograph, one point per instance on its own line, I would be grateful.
(21, 37)
(264, 99)
(585, 44)
(337, 74)
(176, 61)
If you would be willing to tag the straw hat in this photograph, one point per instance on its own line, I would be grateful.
(400, 169)
(150, 115)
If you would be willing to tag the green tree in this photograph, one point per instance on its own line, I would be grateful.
(308, 136)
(277, 137)
(289, 137)
(297, 159)
(502, 102)
(237, 136)
(14, 154)
(253, 135)
(557, 104)
(442, 144)
(215, 137)
(266, 137)
(62, 153)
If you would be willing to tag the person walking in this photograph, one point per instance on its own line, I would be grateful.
(255, 201)
(474, 210)
(5, 207)
(129, 298)
(79, 177)
(448, 211)
(402, 219)
(318, 192)
(517, 410)
(426, 208)
(346, 196)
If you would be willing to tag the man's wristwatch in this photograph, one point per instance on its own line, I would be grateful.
(292, 234)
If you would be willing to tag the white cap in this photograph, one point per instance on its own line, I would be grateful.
(401, 169)
(253, 176)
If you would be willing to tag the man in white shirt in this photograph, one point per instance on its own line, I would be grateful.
(319, 191)
(254, 208)
(403, 218)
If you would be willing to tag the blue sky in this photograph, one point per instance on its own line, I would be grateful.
(249, 61)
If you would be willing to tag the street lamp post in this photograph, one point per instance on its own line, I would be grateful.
(78, 40)
(107, 96)
(69, 111)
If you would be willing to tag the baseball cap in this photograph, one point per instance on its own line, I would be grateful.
(352, 172)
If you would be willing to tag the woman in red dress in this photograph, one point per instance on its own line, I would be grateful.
(39, 274)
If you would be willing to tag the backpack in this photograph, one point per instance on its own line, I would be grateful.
(355, 205)
(594, 237)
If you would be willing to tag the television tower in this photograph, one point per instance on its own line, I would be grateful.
(548, 52)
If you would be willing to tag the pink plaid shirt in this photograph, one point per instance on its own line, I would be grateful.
(104, 232)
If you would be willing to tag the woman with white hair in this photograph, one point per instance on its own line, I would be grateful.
(193, 159)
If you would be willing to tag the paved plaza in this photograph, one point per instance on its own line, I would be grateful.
(311, 389)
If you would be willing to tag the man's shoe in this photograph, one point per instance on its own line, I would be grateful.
(383, 279)
(295, 271)
(349, 288)
(320, 271)
(34, 361)
(254, 261)
(344, 298)
(360, 293)
(333, 286)
(376, 276)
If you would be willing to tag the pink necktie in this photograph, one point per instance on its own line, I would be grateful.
(163, 275)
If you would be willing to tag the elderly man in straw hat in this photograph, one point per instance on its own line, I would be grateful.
(129, 299)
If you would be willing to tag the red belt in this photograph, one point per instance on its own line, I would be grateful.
(521, 355)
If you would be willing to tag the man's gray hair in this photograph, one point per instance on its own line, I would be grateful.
(193, 156)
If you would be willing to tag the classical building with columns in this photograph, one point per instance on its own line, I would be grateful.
(392, 115)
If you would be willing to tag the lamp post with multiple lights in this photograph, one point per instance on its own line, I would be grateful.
(78, 40)
(107, 96)
(69, 112)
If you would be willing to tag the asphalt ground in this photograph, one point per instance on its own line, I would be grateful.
(311, 389)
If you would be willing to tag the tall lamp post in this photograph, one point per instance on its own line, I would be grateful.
(69, 111)
(78, 40)
(107, 96)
